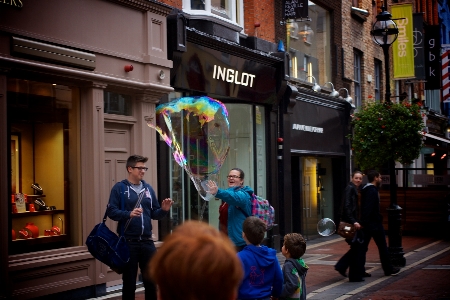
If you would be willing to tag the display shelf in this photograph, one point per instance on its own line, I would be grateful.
(37, 213)
(41, 240)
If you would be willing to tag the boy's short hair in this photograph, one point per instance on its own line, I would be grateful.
(134, 159)
(254, 229)
(189, 261)
(295, 244)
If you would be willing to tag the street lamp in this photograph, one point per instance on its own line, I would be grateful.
(384, 32)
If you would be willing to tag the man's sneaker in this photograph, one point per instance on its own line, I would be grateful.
(393, 271)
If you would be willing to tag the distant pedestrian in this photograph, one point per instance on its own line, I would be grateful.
(196, 262)
(354, 258)
(262, 272)
(294, 268)
(372, 221)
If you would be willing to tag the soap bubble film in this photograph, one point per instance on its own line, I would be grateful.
(197, 131)
(326, 227)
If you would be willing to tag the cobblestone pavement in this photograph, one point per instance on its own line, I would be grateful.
(426, 274)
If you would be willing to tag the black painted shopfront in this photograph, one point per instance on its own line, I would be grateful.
(250, 82)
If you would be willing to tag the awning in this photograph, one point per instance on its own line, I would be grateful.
(437, 138)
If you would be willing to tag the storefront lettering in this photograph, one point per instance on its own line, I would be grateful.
(233, 76)
(402, 37)
(16, 3)
(307, 128)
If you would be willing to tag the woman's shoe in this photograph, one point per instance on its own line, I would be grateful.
(356, 280)
(342, 272)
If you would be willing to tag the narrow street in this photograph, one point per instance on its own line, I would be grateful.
(425, 276)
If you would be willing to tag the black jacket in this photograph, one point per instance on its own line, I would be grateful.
(350, 208)
(370, 206)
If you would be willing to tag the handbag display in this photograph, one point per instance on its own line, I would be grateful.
(107, 246)
(346, 230)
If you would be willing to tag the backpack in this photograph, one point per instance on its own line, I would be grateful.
(262, 209)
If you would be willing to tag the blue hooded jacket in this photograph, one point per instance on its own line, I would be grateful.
(262, 273)
(139, 227)
(237, 197)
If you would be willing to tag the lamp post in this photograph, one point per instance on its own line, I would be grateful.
(384, 33)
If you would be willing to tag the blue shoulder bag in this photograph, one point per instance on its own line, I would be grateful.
(107, 246)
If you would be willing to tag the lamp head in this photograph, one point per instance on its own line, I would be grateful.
(348, 98)
(333, 93)
(384, 31)
(316, 87)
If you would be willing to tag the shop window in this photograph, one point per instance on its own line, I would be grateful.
(117, 104)
(357, 77)
(227, 10)
(247, 152)
(309, 45)
(43, 124)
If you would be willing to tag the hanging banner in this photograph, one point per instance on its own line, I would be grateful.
(444, 22)
(403, 47)
(295, 9)
(419, 60)
(432, 58)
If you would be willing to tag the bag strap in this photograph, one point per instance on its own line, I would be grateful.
(122, 206)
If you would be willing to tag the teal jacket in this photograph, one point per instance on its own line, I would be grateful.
(236, 197)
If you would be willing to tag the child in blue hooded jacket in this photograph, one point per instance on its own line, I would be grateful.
(262, 272)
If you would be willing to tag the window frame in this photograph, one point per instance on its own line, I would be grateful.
(377, 80)
(357, 58)
(236, 20)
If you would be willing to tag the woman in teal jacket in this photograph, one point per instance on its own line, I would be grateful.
(239, 202)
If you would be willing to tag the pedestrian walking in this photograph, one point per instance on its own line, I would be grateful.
(372, 221)
(354, 258)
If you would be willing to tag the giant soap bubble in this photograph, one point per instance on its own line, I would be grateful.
(197, 131)
(326, 227)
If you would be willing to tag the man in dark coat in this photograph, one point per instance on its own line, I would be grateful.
(372, 221)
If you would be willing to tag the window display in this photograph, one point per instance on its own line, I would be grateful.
(43, 122)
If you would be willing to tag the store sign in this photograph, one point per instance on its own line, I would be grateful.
(317, 128)
(307, 128)
(432, 58)
(233, 76)
(14, 3)
(295, 9)
(216, 73)
(419, 59)
(403, 47)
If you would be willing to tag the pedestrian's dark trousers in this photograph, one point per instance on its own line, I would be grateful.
(353, 260)
(140, 254)
(376, 231)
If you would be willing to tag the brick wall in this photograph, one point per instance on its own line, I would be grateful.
(260, 12)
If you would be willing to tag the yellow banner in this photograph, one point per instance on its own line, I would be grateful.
(403, 47)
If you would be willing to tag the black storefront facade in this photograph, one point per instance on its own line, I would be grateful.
(314, 159)
(248, 76)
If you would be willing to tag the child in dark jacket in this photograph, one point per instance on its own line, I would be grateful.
(294, 268)
(262, 272)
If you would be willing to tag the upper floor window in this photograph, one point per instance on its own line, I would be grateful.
(225, 10)
(309, 44)
(357, 78)
(377, 80)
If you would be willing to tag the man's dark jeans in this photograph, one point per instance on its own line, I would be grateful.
(140, 254)
(376, 231)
